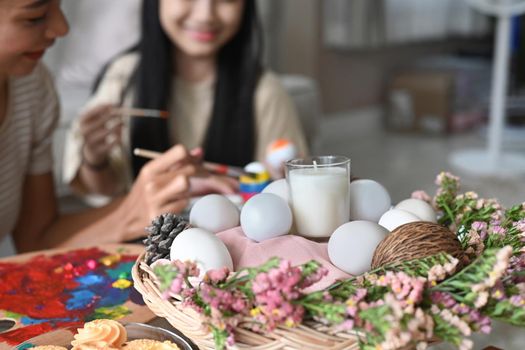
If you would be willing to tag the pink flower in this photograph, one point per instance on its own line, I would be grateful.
(230, 340)
(517, 300)
(498, 292)
(475, 242)
(405, 288)
(218, 275)
(479, 226)
(422, 195)
(327, 296)
(497, 230)
(520, 225)
(275, 292)
(188, 293)
(239, 305)
(188, 268)
(486, 329)
(177, 284)
(261, 283)
(446, 177)
(444, 299)
(346, 325)
(314, 278)
(461, 309)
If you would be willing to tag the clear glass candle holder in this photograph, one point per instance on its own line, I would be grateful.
(320, 194)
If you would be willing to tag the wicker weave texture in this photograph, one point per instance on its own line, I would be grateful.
(311, 336)
(416, 240)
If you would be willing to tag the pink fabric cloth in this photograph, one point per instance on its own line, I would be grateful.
(298, 250)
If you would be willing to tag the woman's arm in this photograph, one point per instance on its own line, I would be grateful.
(38, 211)
(39, 226)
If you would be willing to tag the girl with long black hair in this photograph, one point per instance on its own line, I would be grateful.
(199, 60)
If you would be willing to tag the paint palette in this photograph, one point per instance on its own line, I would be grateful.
(62, 289)
(134, 331)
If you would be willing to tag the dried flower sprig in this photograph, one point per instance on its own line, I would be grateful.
(266, 296)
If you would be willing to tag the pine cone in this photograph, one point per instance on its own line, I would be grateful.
(162, 232)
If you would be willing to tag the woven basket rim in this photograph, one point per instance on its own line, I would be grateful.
(311, 335)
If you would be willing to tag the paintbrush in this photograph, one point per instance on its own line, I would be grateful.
(141, 112)
(221, 169)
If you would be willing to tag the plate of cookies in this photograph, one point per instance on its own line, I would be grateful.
(106, 334)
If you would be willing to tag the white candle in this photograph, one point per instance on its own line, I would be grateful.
(320, 199)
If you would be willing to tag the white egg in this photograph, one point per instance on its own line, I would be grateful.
(394, 218)
(352, 245)
(203, 247)
(255, 167)
(279, 188)
(266, 216)
(214, 213)
(368, 200)
(278, 152)
(419, 208)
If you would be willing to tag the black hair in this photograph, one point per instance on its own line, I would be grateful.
(230, 137)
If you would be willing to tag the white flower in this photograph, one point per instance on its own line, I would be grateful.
(466, 344)
(481, 300)
(471, 195)
(478, 287)
(421, 346)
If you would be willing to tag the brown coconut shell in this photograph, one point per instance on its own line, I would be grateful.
(416, 240)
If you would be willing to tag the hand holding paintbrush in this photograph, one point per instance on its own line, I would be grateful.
(225, 181)
(216, 168)
(101, 129)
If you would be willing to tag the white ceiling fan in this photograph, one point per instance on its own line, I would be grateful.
(493, 161)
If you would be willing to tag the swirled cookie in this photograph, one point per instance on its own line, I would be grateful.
(109, 332)
(148, 344)
(94, 345)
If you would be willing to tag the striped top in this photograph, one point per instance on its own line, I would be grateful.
(25, 139)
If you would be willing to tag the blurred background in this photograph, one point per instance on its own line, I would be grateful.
(402, 87)
(397, 85)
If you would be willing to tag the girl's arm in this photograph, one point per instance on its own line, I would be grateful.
(94, 161)
(100, 129)
(276, 117)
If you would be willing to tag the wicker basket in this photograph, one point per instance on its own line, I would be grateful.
(312, 336)
(417, 240)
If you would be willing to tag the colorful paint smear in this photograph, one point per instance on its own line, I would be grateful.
(64, 291)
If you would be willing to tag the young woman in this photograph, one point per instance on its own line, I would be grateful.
(28, 115)
(200, 61)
